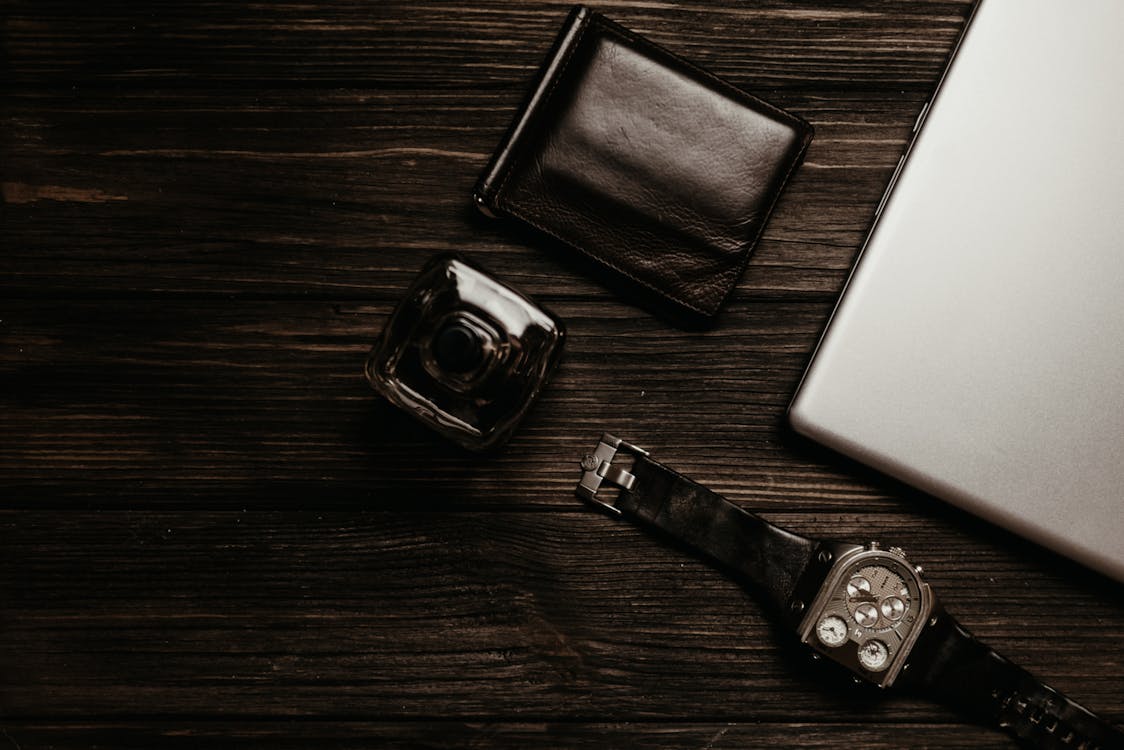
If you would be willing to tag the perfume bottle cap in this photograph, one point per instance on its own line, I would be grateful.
(458, 348)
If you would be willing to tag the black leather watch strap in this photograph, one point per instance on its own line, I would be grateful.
(945, 663)
(950, 665)
(766, 557)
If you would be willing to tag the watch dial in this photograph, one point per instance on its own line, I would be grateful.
(857, 587)
(832, 631)
(874, 655)
(866, 615)
(877, 598)
(893, 608)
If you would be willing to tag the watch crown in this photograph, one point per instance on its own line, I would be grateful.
(918, 569)
(897, 551)
(874, 546)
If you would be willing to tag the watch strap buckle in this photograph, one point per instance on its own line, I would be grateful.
(598, 468)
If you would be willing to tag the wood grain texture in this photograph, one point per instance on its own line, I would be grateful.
(171, 401)
(459, 734)
(144, 183)
(450, 614)
(212, 533)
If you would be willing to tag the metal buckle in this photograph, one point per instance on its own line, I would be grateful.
(597, 467)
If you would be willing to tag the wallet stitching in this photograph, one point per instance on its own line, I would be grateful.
(730, 275)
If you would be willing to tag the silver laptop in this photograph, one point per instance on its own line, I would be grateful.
(977, 352)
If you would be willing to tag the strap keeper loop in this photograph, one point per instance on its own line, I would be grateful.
(598, 468)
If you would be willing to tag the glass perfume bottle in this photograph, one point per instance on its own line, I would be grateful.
(465, 353)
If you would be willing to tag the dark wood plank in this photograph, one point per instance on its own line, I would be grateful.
(259, 404)
(455, 615)
(451, 45)
(461, 734)
(140, 191)
(142, 178)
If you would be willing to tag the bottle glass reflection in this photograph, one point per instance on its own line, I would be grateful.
(465, 353)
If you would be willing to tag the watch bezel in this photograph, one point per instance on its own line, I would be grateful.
(834, 579)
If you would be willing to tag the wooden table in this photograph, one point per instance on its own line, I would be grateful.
(213, 530)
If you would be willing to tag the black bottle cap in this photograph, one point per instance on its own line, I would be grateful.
(458, 348)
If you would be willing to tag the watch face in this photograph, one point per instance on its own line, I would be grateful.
(874, 655)
(867, 615)
(877, 597)
(832, 631)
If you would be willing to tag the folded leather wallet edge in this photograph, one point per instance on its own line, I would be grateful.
(485, 194)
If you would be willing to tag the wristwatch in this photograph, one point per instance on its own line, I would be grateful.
(861, 606)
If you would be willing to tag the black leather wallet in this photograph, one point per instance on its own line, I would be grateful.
(656, 170)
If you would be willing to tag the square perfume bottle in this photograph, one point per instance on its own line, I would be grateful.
(465, 354)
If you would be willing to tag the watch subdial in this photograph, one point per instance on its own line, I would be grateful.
(874, 655)
(832, 631)
(892, 608)
(866, 614)
(858, 588)
(877, 598)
